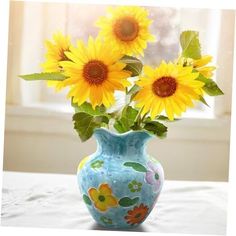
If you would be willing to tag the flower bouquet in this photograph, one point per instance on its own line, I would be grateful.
(120, 183)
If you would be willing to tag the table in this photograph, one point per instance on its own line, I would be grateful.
(54, 201)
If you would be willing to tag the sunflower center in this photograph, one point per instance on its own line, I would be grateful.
(126, 29)
(101, 198)
(164, 87)
(95, 72)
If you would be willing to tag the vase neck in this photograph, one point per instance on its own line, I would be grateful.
(131, 143)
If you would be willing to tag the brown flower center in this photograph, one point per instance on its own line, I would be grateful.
(95, 72)
(138, 215)
(126, 28)
(164, 87)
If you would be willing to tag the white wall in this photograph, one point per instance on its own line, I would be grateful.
(44, 141)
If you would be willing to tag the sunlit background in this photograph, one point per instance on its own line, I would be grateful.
(39, 135)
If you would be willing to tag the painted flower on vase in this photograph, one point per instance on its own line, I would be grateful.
(135, 186)
(152, 176)
(106, 220)
(102, 197)
(97, 164)
(137, 215)
(82, 163)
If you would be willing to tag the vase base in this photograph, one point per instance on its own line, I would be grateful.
(99, 226)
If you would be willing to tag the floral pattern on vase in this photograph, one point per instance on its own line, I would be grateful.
(120, 183)
(102, 197)
(135, 186)
(152, 176)
(137, 214)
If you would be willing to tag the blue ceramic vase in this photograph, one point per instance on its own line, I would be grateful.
(120, 183)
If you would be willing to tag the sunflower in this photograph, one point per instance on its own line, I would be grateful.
(127, 28)
(169, 87)
(94, 72)
(102, 197)
(200, 66)
(137, 215)
(55, 53)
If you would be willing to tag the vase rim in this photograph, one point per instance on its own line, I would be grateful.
(123, 134)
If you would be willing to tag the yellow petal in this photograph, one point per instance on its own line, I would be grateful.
(149, 71)
(169, 109)
(94, 194)
(82, 93)
(105, 189)
(111, 201)
(202, 61)
(155, 108)
(108, 99)
(101, 206)
(91, 48)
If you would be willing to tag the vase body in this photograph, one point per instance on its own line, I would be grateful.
(120, 183)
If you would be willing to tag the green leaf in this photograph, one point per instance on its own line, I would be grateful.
(136, 166)
(201, 98)
(127, 119)
(133, 91)
(165, 118)
(87, 200)
(87, 108)
(135, 126)
(156, 128)
(210, 87)
(85, 124)
(54, 76)
(135, 88)
(133, 65)
(126, 201)
(189, 41)
(118, 125)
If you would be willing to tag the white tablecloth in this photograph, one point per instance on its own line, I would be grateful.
(54, 201)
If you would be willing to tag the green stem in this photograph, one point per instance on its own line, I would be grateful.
(144, 116)
(138, 117)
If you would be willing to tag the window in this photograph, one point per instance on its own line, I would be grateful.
(33, 22)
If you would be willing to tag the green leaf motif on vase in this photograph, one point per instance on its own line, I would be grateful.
(126, 201)
(136, 166)
(87, 199)
(97, 164)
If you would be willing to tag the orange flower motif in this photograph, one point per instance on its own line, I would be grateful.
(103, 198)
(137, 215)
